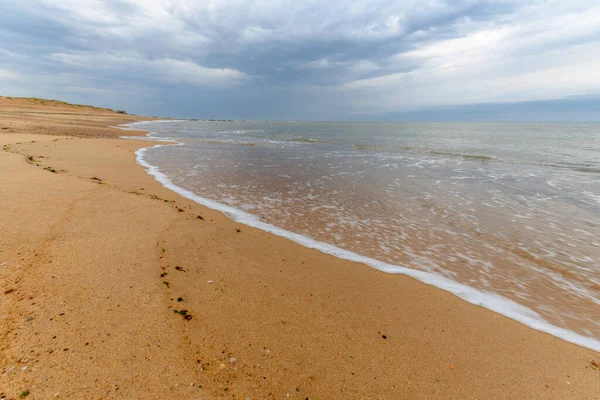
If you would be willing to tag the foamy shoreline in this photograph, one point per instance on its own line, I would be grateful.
(488, 300)
(99, 262)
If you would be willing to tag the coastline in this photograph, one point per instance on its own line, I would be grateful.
(490, 301)
(270, 317)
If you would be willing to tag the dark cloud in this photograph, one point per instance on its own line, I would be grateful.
(290, 59)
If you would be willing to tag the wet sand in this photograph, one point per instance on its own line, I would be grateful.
(112, 286)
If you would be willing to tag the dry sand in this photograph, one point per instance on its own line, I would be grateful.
(95, 256)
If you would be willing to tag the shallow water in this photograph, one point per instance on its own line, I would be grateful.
(507, 209)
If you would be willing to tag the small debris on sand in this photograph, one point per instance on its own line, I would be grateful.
(184, 313)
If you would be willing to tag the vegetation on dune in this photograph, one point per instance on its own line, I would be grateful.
(51, 102)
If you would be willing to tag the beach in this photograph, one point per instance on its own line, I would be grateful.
(113, 286)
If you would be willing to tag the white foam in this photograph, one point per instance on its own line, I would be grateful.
(161, 121)
(488, 300)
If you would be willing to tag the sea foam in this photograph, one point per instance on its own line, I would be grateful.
(488, 300)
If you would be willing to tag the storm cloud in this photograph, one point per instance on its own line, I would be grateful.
(301, 59)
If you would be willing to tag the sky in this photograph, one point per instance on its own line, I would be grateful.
(310, 60)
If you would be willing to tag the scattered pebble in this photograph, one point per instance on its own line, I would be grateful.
(3, 264)
(210, 281)
(232, 360)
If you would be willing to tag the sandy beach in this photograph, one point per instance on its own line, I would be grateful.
(112, 286)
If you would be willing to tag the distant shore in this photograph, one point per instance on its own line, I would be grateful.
(114, 286)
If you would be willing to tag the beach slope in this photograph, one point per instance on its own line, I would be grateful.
(112, 286)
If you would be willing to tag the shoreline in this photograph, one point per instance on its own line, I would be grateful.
(94, 243)
(491, 301)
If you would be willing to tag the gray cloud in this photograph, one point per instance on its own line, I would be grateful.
(290, 59)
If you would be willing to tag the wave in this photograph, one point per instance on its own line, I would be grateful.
(216, 141)
(488, 300)
(422, 151)
(582, 167)
(241, 131)
(358, 146)
(306, 140)
(465, 156)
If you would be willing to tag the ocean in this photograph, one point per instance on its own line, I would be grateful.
(504, 215)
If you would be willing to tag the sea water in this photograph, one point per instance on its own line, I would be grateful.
(505, 215)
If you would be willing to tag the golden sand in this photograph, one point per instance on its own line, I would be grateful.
(112, 286)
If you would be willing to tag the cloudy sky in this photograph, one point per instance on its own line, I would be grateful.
(309, 59)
